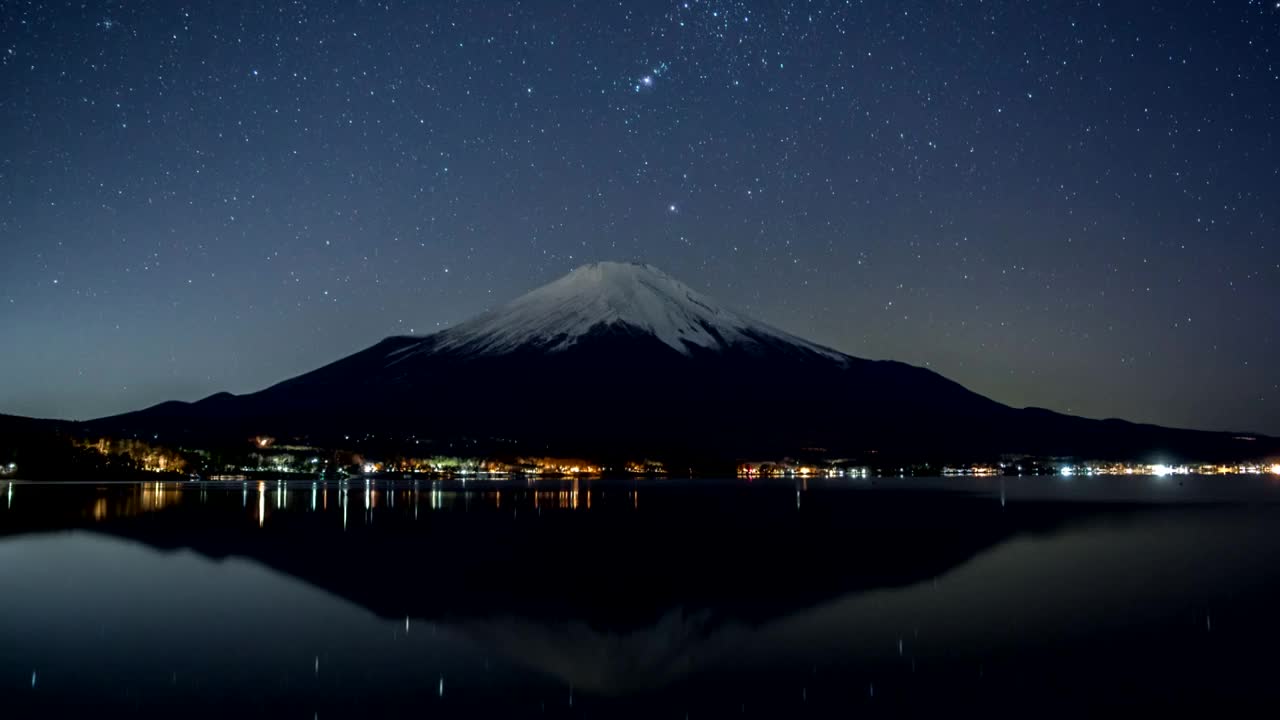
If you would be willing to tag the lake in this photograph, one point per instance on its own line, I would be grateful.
(648, 598)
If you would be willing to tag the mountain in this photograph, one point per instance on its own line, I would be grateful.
(618, 361)
(641, 298)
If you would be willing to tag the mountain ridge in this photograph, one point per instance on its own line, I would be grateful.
(553, 316)
(621, 360)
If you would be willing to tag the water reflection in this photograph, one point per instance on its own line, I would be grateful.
(101, 503)
(689, 600)
(405, 498)
(1073, 588)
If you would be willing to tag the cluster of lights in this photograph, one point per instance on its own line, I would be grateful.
(782, 470)
(642, 468)
(972, 470)
(1158, 470)
(1164, 470)
(540, 466)
(152, 458)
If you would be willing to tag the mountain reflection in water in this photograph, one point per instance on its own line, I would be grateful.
(651, 599)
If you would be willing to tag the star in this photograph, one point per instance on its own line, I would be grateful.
(822, 146)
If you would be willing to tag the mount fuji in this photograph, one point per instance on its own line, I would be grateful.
(618, 360)
(641, 298)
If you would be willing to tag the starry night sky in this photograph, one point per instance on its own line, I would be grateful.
(1073, 205)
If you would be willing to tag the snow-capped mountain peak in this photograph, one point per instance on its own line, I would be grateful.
(640, 297)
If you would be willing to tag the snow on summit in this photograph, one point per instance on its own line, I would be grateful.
(555, 316)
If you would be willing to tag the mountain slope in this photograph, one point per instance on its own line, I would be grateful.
(641, 297)
(620, 360)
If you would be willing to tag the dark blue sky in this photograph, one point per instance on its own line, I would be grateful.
(1067, 204)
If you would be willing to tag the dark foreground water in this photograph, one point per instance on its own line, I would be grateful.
(649, 598)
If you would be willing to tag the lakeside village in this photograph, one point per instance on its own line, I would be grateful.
(264, 458)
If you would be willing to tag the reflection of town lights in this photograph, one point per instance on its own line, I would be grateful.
(1066, 471)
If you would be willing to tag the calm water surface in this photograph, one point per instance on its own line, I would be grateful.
(640, 598)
